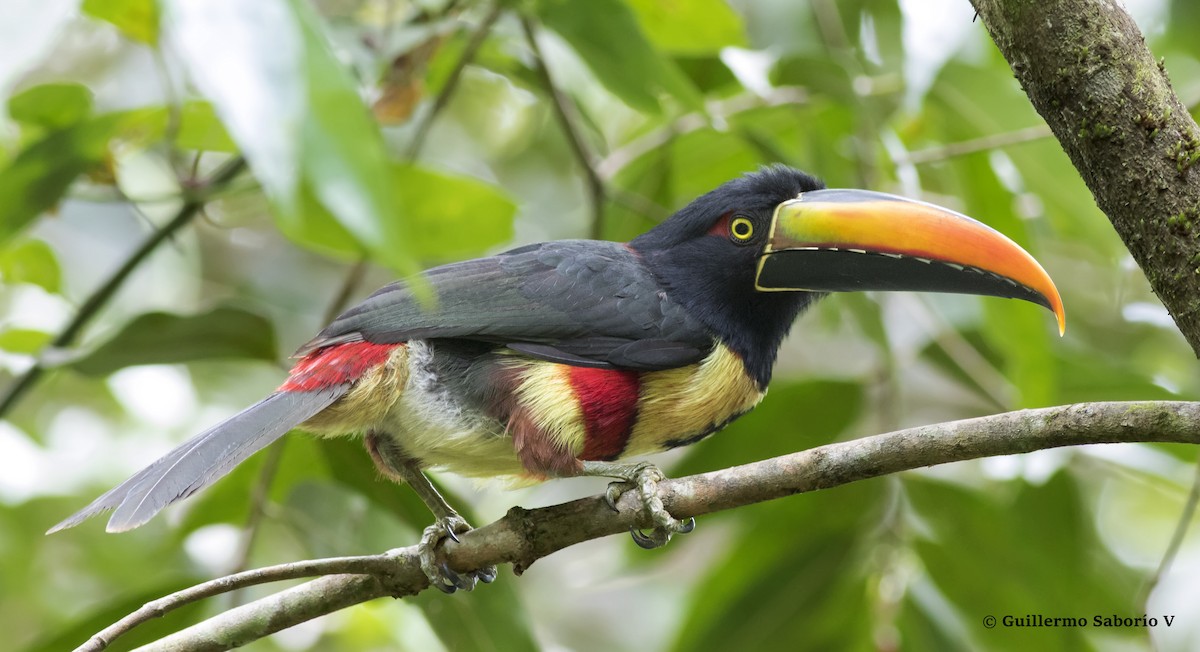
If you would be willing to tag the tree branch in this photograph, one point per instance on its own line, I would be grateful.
(1181, 529)
(258, 503)
(1087, 71)
(719, 111)
(92, 305)
(982, 144)
(296, 570)
(568, 120)
(443, 97)
(523, 536)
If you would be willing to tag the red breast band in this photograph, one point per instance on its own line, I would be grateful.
(608, 399)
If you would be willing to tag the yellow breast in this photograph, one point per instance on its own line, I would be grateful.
(679, 406)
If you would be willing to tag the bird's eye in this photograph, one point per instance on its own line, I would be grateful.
(741, 229)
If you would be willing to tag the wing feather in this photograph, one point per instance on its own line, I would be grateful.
(580, 302)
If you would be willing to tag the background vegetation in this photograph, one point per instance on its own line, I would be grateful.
(120, 113)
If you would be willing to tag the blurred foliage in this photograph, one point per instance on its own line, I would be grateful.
(115, 111)
(159, 338)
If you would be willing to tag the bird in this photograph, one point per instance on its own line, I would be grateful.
(579, 357)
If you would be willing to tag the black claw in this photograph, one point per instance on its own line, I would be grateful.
(643, 540)
(450, 534)
(456, 580)
(688, 526)
(611, 496)
(487, 574)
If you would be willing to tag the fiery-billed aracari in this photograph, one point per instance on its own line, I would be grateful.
(561, 358)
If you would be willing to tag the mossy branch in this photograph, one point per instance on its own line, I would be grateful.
(1086, 69)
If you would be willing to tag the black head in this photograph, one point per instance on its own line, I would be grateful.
(706, 258)
(746, 258)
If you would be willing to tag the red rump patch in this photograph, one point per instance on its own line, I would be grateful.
(335, 365)
(609, 400)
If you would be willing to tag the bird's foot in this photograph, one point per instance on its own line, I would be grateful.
(434, 565)
(644, 478)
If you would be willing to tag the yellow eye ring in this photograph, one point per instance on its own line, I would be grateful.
(741, 229)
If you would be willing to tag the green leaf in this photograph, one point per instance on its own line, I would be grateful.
(1022, 333)
(709, 74)
(795, 576)
(818, 74)
(488, 619)
(968, 102)
(118, 606)
(349, 465)
(36, 179)
(1108, 375)
(687, 166)
(31, 261)
(793, 416)
(331, 520)
(491, 618)
(325, 519)
(23, 340)
(343, 159)
(162, 338)
(255, 80)
(691, 26)
(200, 129)
(452, 217)
(313, 226)
(304, 128)
(137, 19)
(706, 158)
(1018, 549)
(606, 35)
(51, 106)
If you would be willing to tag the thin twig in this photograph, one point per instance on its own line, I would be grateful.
(443, 97)
(963, 148)
(523, 536)
(258, 499)
(174, 111)
(353, 279)
(290, 571)
(270, 469)
(720, 111)
(567, 119)
(641, 205)
(100, 297)
(837, 42)
(990, 380)
(1177, 537)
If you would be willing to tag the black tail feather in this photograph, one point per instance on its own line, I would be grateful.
(202, 460)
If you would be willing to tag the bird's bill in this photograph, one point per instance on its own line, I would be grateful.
(853, 240)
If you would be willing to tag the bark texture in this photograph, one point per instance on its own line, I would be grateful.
(1085, 66)
(523, 536)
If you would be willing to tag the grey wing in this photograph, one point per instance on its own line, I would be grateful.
(580, 302)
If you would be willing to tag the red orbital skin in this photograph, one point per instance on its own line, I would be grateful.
(721, 226)
(608, 399)
(335, 365)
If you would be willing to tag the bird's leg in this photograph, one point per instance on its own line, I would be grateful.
(642, 477)
(447, 523)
